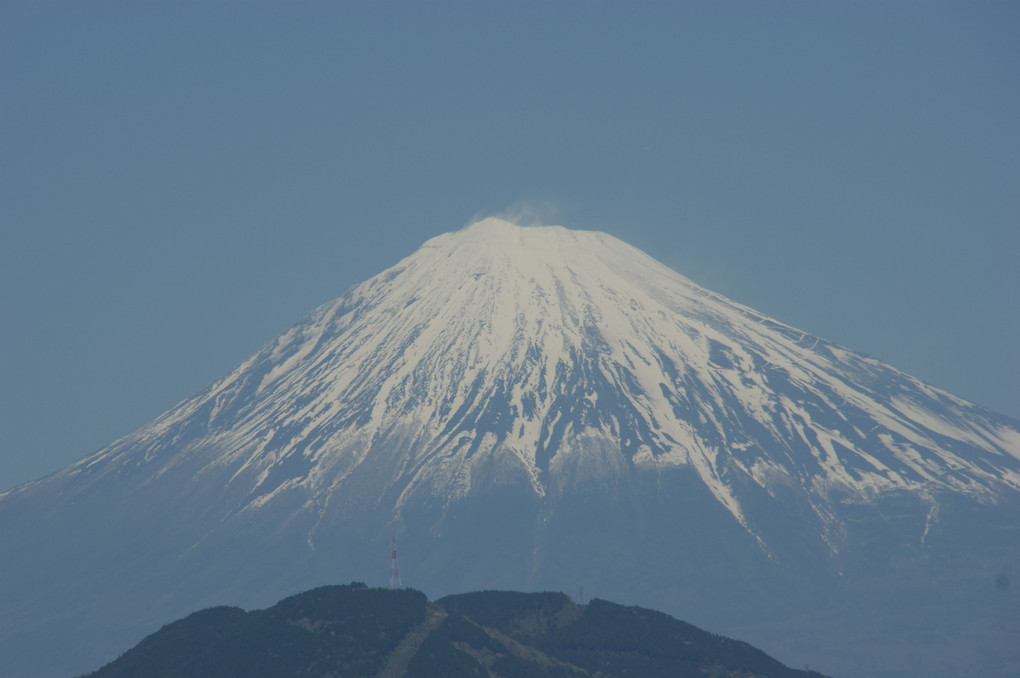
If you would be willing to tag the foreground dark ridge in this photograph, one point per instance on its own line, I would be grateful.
(357, 631)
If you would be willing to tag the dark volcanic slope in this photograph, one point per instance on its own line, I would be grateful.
(356, 631)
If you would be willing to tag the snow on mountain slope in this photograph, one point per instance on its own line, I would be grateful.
(569, 355)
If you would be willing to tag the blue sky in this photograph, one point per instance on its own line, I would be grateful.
(183, 181)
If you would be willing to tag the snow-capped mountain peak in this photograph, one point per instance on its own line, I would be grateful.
(502, 354)
(541, 408)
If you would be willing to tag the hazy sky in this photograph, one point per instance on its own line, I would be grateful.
(182, 181)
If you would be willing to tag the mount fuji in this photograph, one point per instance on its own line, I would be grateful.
(541, 408)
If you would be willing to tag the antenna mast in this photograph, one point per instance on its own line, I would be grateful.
(394, 570)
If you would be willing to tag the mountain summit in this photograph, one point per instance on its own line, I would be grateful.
(538, 407)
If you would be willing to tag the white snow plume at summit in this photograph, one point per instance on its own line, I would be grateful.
(542, 408)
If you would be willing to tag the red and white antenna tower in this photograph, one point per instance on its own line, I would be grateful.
(394, 570)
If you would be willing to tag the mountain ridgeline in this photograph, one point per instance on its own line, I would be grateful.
(541, 409)
(356, 632)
